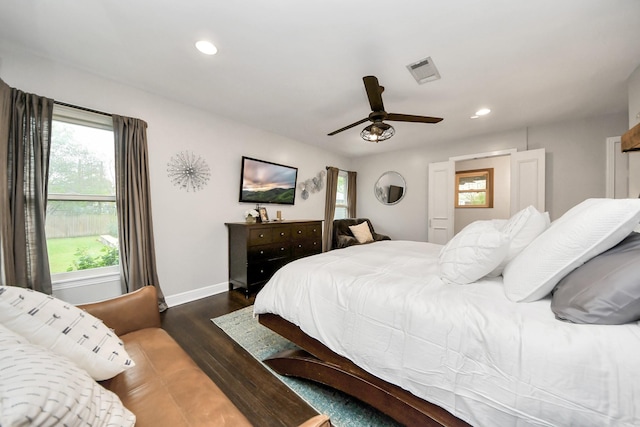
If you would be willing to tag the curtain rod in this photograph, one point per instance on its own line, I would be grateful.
(327, 168)
(64, 104)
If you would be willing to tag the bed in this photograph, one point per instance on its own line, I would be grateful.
(383, 322)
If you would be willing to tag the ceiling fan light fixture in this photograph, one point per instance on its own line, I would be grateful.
(377, 132)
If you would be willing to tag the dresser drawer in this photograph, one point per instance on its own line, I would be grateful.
(261, 272)
(314, 230)
(281, 234)
(306, 231)
(267, 252)
(307, 247)
(260, 236)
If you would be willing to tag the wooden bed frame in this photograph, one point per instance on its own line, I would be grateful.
(317, 363)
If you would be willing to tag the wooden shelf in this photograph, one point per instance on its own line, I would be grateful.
(631, 139)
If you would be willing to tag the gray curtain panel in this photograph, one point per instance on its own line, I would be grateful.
(133, 200)
(330, 207)
(351, 194)
(25, 142)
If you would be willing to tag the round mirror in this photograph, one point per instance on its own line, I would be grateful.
(390, 188)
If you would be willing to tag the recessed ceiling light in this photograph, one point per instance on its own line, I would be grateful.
(483, 112)
(474, 117)
(206, 47)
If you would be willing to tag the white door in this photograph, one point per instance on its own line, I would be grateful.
(527, 188)
(440, 202)
(527, 180)
(617, 170)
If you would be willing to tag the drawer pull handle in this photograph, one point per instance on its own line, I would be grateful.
(315, 243)
(299, 231)
(282, 249)
(261, 252)
(282, 233)
(261, 271)
(300, 246)
(261, 236)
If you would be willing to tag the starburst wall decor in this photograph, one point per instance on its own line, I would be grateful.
(188, 171)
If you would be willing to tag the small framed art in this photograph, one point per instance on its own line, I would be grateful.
(264, 216)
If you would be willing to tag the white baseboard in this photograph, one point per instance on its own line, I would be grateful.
(185, 297)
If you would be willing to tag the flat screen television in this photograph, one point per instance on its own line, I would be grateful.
(267, 182)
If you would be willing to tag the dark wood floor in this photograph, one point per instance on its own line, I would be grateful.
(264, 399)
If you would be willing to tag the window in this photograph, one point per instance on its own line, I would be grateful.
(474, 188)
(81, 222)
(341, 196)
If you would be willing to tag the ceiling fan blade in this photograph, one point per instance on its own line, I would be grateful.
(349, 126)
(374, 93)
(409, 118)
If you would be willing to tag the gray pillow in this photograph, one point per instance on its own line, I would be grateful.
(604, 290)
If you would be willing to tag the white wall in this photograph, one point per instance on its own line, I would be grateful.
(575, 158)
(190, 235)
(407, 220)
(501, 191)
(575, 169)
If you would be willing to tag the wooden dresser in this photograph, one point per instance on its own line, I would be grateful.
(256, 251)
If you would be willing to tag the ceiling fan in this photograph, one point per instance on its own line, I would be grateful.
(378, 130)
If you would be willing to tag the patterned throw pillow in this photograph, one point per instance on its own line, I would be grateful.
(38, 387)
(64, 329)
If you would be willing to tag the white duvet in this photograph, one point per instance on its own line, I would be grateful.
(468, 349)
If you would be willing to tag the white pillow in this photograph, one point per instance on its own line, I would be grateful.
(472, 253)
(38, 387)
(585, 231)
(65, 329)
(361, 232)
(522, 228)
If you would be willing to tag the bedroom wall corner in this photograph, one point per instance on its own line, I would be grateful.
(575, 158)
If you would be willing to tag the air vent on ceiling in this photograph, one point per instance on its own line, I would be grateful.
(424, 70)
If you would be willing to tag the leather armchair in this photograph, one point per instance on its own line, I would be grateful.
(343, 237)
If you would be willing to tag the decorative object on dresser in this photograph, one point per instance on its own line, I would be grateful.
(264, 216)
(256, 251)
(251, 216)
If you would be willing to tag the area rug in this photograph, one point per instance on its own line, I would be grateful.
(261, 343)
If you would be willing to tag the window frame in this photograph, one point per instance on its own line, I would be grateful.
(82, 117)
(345, 206)
(487, 173)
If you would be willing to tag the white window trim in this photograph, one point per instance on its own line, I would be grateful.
(344, 206)
(93, 276)
(86, 277)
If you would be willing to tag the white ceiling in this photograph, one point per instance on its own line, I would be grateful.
(295, 67)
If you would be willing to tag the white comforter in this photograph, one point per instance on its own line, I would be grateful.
(468, 349)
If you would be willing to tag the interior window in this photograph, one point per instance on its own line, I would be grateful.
(474, 188)
(341, 196)
(81, 221)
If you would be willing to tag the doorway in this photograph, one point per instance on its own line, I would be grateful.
(526, 187)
